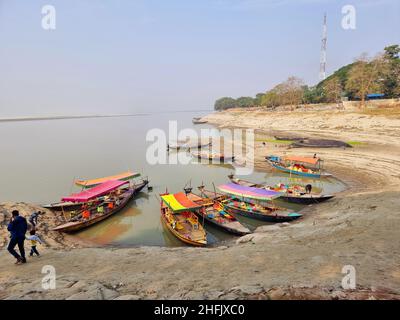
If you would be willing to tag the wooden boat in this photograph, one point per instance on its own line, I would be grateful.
(198, 121)
(292, 193)
(238, 202)
(120, 201)
(300, 166)
(260, 212)
(213, 213)
(212, 156)
(189, 146)
(178, 215)
(63, 206)
(320, 143)
(289, 138)
(125, 176)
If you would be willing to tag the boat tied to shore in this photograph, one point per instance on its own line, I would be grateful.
(213, 156)
(290, 193)
(179, 217)
(125, 176)
(99, 203)
(212, 212)
(251, 203)
(311, 167)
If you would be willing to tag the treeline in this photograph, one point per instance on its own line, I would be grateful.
(380, 74)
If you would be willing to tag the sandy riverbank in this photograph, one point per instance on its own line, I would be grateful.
(360, 227)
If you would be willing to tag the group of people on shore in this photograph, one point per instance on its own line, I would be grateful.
(18, 227)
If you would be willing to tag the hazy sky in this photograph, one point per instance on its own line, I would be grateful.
(109, 56)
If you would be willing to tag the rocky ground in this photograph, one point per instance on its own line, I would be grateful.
(302, 260)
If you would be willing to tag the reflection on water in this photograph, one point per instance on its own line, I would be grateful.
(41, 159)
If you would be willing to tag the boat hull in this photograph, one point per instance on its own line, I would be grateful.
(299, 173)
(275, 217)
(224, 227)
(306, 200)
(299, 199)
(72, 227)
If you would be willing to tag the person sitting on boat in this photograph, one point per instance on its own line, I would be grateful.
(100, 209)
(110, 205)
(86, 214)
(308, 188)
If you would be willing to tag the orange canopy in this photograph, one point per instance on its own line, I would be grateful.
(122, 177)
(313, 161)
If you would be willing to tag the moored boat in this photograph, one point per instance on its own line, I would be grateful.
(212, 212)
(125, 176)
(302, 166)
(109, 196)
(63, 206)
(178, 215)
(189, 146)
(290, 193)
(198, 121)
(212, 156)
(242, 201)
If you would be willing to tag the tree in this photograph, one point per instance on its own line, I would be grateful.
(225, 103)
(258, 100)
(333, 90)
(270, 99)
(391, 71)
(364, 77)
(245, 102)
(312, 94)
(292, 91)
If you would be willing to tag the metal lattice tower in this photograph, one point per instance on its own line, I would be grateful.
(322, 70)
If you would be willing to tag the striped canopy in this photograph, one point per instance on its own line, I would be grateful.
(121, 176)
(249, 192)
(179, 202)
(95, 192)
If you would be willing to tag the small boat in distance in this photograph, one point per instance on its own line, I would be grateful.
(109, 196)
(212, 156)
(125, 176)
(302, 166)
(197, 120)
(178, 215)
(212, 212)
(189, 146)
(290, 193)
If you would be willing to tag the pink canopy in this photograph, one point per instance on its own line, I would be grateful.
(95, 192)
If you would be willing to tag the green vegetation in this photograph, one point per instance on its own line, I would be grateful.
(355, 81)
(266, 140)
(355, 143)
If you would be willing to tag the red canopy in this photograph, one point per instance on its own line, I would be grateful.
(95, 192)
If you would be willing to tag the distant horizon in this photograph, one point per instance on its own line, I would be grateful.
(129, 57)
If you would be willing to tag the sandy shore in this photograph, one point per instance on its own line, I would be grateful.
(360, 227)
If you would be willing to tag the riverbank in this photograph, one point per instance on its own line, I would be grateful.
(300, 260)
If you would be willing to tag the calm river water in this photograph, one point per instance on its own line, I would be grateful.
(39, 161)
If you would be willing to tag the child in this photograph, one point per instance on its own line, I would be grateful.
(34, 240)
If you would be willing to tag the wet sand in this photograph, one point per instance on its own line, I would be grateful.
(360, 227)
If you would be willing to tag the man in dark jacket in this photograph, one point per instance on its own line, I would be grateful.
(17, 228)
